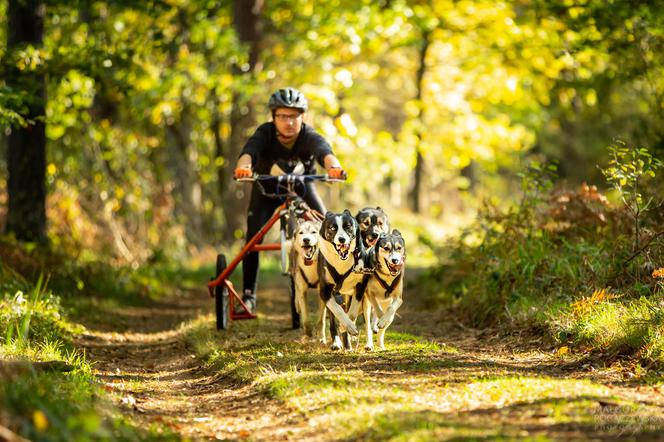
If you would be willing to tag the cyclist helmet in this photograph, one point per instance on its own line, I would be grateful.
(288, 97)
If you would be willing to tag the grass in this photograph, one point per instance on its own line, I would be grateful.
(533, 268)
(632, 326)
(47, 389)
(417, 389)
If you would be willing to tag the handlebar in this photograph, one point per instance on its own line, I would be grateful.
(285, 185)
(290, 179)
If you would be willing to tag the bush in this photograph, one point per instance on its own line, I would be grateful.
(537, 263)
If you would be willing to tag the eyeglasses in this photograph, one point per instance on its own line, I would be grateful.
(287, 117)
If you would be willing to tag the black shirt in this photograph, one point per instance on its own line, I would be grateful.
(266, 150)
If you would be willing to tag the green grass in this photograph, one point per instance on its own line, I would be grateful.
(67, 407)
(526, 268)
(632, 326)
(47, 390)
(417, 389)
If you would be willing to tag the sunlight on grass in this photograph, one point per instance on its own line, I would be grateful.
(418, 389)
(616, 326)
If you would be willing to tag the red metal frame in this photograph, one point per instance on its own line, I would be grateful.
(251, 246)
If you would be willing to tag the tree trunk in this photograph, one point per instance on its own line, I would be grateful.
(249, 27)
(187, 188)
(418, 175)
(26, 153)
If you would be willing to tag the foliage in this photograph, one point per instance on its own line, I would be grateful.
(534, 265)
(33, 319)
(627, 173)
(631, 327)
(47, 390)
(66, 407)
(142, 98)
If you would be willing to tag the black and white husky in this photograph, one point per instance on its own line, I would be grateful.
(304, 267)
(383, 294)
(341, 255)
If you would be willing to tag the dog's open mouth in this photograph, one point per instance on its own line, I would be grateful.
(394, 268)
(309, 253)
(343, 250)
(372, 242)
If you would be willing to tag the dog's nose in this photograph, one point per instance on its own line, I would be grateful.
(342, 240)
(395, 260)
(373, 235)
(306, 241)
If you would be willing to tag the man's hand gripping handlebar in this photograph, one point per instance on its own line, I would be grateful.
(242, 172)
(334, 174)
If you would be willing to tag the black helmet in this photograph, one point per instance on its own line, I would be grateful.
(288, 97)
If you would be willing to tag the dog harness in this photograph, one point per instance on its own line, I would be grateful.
(389, 288)
(336, 276)
(311, 285)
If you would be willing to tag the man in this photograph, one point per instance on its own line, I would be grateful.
(284, 145)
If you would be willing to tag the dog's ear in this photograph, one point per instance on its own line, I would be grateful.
(347, 212)
(328, 214)
(378, 208)
(395, 232)
(300, 221)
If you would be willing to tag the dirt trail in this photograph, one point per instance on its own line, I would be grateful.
(140, 356)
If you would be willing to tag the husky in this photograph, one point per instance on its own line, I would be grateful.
(383, 289)
(372, 223)
(340, 261)
(304, 267)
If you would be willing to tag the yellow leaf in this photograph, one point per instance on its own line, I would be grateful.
(562, 351)
(40, 420)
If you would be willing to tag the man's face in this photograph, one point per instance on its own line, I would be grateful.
(288, 121)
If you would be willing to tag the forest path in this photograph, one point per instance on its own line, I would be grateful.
(455, 383)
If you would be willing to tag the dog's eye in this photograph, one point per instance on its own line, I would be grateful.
(380, 223)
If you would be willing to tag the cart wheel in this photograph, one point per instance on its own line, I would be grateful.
(295, 316)
(221, 297)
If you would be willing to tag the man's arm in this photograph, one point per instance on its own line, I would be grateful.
(329, 162)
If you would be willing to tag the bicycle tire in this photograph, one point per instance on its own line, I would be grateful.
(221, 299)
(295, 316)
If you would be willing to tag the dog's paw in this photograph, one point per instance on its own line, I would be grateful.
(336, 344)
(369, 347)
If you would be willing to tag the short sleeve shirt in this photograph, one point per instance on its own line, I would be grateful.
(266, 150)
